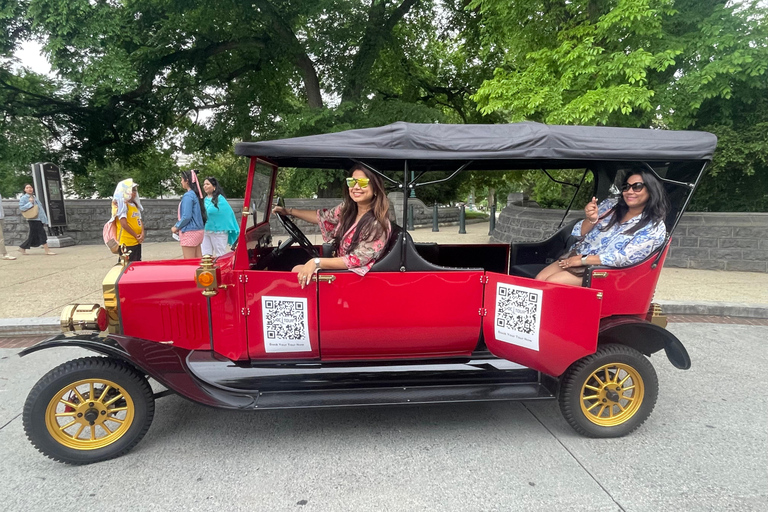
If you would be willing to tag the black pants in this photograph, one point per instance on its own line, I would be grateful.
(36, 237)
(135, 253)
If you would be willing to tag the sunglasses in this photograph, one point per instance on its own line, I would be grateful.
(636, 187)
(363, 182)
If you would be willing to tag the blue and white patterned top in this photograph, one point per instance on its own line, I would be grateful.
(615, 248)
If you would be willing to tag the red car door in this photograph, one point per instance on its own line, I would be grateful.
(544, 326)
(281, 317)
(399, 314)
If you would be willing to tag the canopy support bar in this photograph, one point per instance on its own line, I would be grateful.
(374, 170)
(412, 184)
(573, 198)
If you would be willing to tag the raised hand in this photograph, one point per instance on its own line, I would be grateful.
(590, 211)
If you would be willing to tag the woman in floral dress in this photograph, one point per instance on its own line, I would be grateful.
(618, 232)
(359, 227)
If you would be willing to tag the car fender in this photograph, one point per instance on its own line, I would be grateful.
(644, 337)
(163, 362)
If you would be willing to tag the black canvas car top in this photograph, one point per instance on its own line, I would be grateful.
(518, 141)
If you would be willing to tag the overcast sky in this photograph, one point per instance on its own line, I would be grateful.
(31, 57)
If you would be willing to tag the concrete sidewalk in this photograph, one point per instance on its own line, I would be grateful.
(36, 287)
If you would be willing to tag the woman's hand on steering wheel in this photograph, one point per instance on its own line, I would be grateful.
(295, 234)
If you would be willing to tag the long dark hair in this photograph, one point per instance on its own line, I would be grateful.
(655, 209)
(194, 186)
(372, 224)
(216, 191)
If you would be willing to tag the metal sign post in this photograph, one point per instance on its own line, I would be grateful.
(48, 188)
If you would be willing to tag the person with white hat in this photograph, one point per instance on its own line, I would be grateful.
(126, 208)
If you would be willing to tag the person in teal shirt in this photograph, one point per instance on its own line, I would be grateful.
(221, 229)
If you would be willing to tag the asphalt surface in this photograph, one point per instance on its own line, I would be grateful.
(704, 448)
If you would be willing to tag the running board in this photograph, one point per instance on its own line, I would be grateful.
(400, 396)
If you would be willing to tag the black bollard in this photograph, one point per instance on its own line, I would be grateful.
(435, 225)
(462, 221)
(492, 224)
(410, 218)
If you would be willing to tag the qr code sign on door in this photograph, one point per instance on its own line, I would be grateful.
(518, 315)
(285, 322)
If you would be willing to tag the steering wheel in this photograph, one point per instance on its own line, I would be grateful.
(294, 235)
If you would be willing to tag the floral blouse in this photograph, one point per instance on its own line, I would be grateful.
(367, 252)
(615, 248)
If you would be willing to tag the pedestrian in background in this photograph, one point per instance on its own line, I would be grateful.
(4, 252)
(126, 209)
(221, 228)
(192, 216)
(37, 236)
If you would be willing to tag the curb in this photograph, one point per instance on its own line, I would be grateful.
(30, 326)
(676, 307)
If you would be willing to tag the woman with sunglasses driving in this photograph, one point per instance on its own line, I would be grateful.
(618, 232)
(359, 227)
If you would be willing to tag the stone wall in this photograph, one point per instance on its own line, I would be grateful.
(721, 241)
(86, 218)
(529, 224)
(711, 241)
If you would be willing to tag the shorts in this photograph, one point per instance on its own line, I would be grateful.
(191, 238)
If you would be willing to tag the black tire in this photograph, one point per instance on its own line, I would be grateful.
(609, 393)
(109, 403)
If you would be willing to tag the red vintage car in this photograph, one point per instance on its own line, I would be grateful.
(429, 323)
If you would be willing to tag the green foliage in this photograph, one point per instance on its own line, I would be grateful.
(647, 63)
(738, 178)
(139, 80)
(475, 215)
(134, 76)
(441, 193)
(592, 69)
(229, 170)
(155, 171)
(22, 143)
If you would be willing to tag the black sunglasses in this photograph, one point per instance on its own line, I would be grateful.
(636, 187)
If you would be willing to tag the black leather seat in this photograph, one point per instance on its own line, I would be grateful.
(530, 270)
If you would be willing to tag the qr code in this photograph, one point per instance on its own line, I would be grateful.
(285, 319)
(517, 310)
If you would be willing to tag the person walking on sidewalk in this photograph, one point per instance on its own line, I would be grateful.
(5, 254)
(37, 236)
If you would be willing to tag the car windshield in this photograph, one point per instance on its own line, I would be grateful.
(260, 189)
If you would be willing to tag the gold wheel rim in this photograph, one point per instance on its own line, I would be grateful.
(89, 414)
(612, 394)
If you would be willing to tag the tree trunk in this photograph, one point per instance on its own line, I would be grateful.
(292, 44)
(378, 30)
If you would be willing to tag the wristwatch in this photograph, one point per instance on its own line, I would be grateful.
(584, 261)
(317, 263)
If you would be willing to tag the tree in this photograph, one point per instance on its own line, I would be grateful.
(139, 75)
(648, 63)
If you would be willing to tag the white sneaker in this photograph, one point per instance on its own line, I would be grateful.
(8, 257)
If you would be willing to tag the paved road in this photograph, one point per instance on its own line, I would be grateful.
(704, 448)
